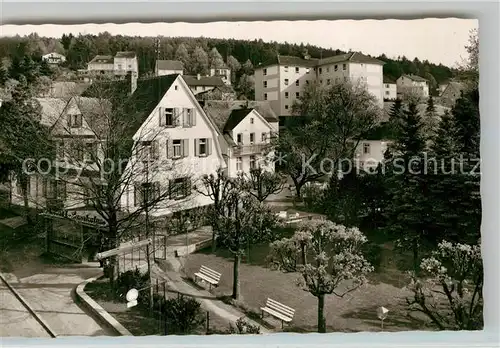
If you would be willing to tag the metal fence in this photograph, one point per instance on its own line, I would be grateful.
(137, 257)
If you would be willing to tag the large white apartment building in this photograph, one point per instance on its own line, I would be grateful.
(281, 80)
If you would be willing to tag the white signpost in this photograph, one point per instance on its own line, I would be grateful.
(131, 297)
(123, 248)
(382, 315)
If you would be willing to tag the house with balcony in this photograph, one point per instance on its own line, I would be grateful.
(119, 66)
(245, 133)
(168, 67)
(412, 85)
(54, 58)
(280, 81)
(223, 72)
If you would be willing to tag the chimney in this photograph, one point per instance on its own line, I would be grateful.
(198, 77)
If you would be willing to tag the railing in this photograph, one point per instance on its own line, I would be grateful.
(242, 150)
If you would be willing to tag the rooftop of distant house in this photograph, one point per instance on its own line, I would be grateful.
(208, 81)
(169, 65)
(307, 61)
(101, 59)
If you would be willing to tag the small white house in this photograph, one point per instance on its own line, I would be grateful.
(224, 73)
(413, 84)
(168, 67)
(54, 58)
(370, 153)
(245, 133)
(124, 63)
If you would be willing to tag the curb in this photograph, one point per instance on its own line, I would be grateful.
(30, 310)
(98, 311)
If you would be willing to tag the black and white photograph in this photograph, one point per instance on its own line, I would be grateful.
(240, 178)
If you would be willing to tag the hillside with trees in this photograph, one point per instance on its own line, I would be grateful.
(197, 54)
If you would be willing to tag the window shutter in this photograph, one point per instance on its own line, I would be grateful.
(193, 117)
(161, 114)
(196, 147)
(44, 187)
(209, 146)
(170, 189)
(69, 120)
(176, 116)
(187, 187)
(169, 148)
(185, 118)
(185, 147)
(157, 190)
(154, 149)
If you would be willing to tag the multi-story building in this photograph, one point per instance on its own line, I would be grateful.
(168, 67)
(125, 63)
(281, 80)
(390, 89)
(223, 72)
(412, 85)
(245, 133)
(122, 64)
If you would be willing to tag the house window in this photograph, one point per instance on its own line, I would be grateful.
(239, 139)
(167, 117)
(179, 188)
(308, 70)
(328, 69)
(252, 138)
(252, 162)
(264, 137)
(307, 82)
(148, 150)
(297, 94)
(387, 86)
(202, 147)
(189, 118)
(321, 81)
(119, 67)
(286, 82)
(177, 148)
(320, 70)
(91, 152)
(264, 72)
(286, 69)
(239, 164)
(251, 120)
(386, 92)
(175, 87)
(328, 81)
(265, 96)
(297, 70)
(265, 84)
(344, 66)
(337, 80)
(335, 67)
(366, 149)
(286, 95)
(286, 107)
(75, 121)
(297, 83)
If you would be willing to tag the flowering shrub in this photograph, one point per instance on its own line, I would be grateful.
(449, 292)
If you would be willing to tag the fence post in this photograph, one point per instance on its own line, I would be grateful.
(208, 322)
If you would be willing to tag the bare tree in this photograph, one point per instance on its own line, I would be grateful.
(262, 183)
(332, 121)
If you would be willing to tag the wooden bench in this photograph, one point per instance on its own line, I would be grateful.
(278, 310)
(208, 275)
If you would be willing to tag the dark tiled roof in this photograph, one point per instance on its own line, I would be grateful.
(235, 117)
(203, 81)
(137, 107)
(169, 65)
(128, 54)
(354, 57)
(220, 110)
(415, 78)
(102, 59)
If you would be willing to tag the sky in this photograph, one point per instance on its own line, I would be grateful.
(437, 40)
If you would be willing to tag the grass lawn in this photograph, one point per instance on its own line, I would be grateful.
(355, 312)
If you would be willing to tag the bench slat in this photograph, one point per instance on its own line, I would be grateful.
(279, 307)
(210, 272)
(210, 275)
(208, 279)
(276, 314)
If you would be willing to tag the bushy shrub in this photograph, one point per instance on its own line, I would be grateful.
(373, 254)
(183, 314)
(132, 280)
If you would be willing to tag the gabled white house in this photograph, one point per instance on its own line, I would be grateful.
(245, 134)
(168, 67)
(223, 72)
(54, 58)
(413, 84)
(174, 146)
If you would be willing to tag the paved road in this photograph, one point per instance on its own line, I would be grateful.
(15, 320)
(49, 293)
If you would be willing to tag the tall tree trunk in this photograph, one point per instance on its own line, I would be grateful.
(303, 254)
(321, 314)
(416, 265)
(214, 246)
(236, 276)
